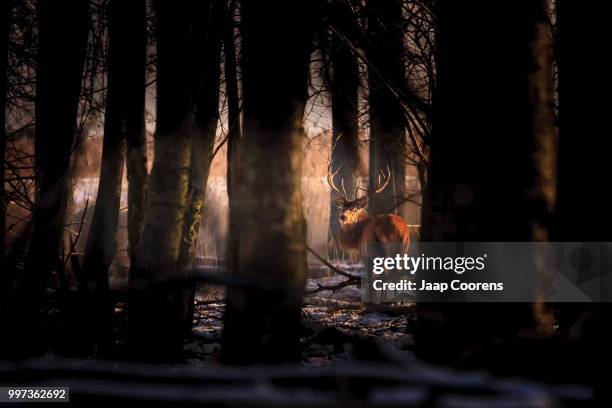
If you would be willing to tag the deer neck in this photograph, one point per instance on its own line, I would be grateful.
(350, 234)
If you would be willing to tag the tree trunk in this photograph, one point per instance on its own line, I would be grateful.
(387, 122)
(492, 157)
(583, 205)
(234, 135)
(262, 317)
(155, 310)
(63, 31)
(208, 43)
(124, 114)
(135, 132)
(583, 151)
(344, 86)
(5, 25)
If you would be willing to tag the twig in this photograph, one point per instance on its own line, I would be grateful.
(78, 234)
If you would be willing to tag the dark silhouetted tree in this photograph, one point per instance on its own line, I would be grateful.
(234, 132)
(5, 24)
(492, 157)
(344, 88)
(583, 204)
(386, 76)
(124, 118)
(583, 150)
(262, 317)
(207, 46)
(136, 140)
(63, 32)
(157, 304)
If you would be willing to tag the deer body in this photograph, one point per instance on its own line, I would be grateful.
(358, 228)
(385, 228)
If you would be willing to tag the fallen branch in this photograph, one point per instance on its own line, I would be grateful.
(352, 279)
(332, 267)
(333, 288)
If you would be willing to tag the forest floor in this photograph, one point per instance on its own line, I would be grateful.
(353, 354)
(337, 326)
(340, 331)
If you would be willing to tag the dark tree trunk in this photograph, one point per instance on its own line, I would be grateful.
(262, 317)
(135, 132)
(63, 31)
(234, 135)
(123, 116)
(583, 205)
(583, 150)
(5, 25)
(157, 304)
(233, 99)
(207, 42)
(387, 122)
(344, 86)
(492, 157)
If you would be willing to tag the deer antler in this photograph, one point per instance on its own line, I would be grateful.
(343, 188)
(330, 180)
(357, 188)
(380, 187)
(383, 182)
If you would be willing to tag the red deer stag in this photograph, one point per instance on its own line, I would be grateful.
(358, 228)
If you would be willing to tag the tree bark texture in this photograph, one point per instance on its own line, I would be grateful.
(262, 316)
(157, 304)
(207, 43)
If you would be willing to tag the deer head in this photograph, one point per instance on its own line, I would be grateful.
(352, 210)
